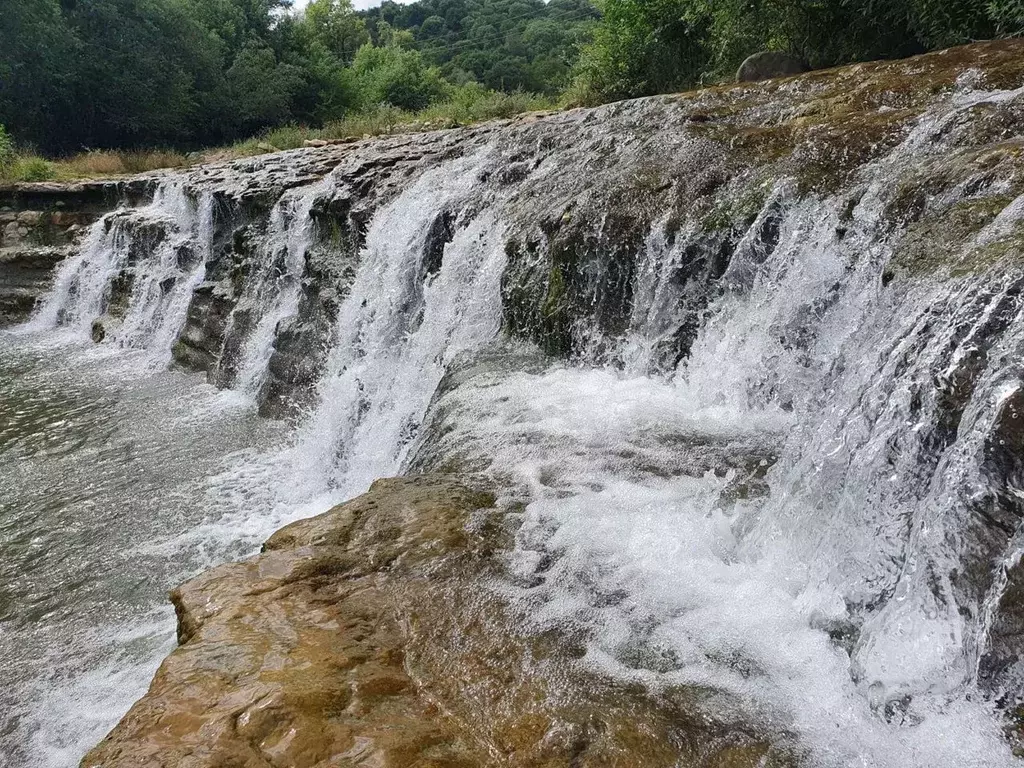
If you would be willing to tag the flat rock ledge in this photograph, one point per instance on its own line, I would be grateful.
(368, 636)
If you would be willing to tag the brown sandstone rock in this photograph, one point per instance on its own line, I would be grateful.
(366, 637)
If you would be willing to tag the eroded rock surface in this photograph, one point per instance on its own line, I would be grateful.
(367, 637)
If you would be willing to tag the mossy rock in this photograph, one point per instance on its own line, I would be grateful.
(942, 243)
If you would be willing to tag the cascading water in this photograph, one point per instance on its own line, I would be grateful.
(403, 322)
(832, 601)
(273, 295)
(153, 257)
(773, 482)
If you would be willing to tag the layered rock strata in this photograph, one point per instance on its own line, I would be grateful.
(40, 225)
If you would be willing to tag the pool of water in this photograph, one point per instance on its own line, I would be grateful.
(116, 477)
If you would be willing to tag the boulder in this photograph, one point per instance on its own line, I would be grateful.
(99, 329)
(768, 65)
(364, 637)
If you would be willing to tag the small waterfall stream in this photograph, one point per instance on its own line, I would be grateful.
(403, 323)
(273, 295)
(794, 510)
(145, 302)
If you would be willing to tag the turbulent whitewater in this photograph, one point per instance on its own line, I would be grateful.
(744, 366)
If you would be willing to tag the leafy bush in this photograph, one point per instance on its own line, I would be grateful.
(394, 75)
(286, 137)
(643, 47)
(7, 156)
(33, 169)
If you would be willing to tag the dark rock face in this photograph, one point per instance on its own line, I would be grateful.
(768, 65)
(25, 274)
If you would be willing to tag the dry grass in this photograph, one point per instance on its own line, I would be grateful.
(467, 105)
(94, 164)
(109, 163)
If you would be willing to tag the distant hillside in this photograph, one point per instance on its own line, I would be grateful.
(503, 44)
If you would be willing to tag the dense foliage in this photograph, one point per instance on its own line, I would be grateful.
(503, 44)
(650, 46)
(87, 74)
(80, 75)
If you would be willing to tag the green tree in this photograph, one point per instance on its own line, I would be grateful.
(643, 47)
(649, 46)
(6, 151)
(262, 89)
(335, 26)
(37, 78)
(396, 75)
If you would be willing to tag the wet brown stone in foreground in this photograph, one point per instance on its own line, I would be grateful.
(365, 637)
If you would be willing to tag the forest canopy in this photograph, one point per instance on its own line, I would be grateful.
(77, 74)
(92, 74)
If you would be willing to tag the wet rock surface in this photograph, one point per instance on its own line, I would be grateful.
(25, 274)
(620, 228)
(574, 239)
(366, 636)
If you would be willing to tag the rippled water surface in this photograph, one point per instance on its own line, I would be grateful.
(113, 476)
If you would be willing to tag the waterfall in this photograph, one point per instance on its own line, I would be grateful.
(273, 294)
(772, 477)
(138, 270)
(403, 322)
(810, 551)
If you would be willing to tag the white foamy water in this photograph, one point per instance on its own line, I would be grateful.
(160, 251)
(273, 295)
(397, 331)
(817, 600)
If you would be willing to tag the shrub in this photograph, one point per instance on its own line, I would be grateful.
(7, 156)
(394, 75)
(286, 137)
(33, 169)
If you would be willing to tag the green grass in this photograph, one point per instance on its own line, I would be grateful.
(467, 106)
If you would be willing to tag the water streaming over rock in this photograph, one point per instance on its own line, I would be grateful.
(758, 448)
(272, 295)
(134, 276)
